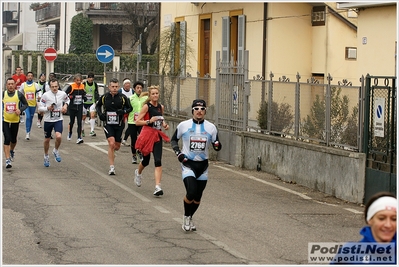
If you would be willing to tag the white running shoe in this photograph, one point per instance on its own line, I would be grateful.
(134, 159)
(79, 141)
(27, 137)
(137, 177)
(46, 161)
(125, 143)
(57, 155)
(158, 191)
(186, 223)
(69, 137)
(39, 125)
(111, 170)
(192, 226)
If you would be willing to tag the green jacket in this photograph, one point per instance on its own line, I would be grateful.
(137, 103)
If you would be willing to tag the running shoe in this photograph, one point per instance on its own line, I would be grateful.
(22, 120)
(83, 133)
(8, 163)
(186, 223)
(137, 177)
(92, 133)
(125, 143)
(27, 137)
(39, 125)
(46, 161)
(158, 191)
(79, 141)
(12, 155)
(192, 226)
(57, 155)
(140, 155)
(134, 160)
(69, 136)
(111, 170)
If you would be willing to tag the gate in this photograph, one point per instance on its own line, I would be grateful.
(231, 110)
(380, 135)
(232, 91)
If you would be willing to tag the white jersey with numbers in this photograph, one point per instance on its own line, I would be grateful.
(196, 138)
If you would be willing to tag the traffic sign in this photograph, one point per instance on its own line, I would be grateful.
(50, 54)
(105, 54)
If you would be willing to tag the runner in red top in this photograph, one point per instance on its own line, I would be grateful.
(19, 77)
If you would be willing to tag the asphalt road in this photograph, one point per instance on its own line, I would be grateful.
(75, 213)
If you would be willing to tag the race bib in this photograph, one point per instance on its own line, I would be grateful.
(30, 96)
(55, 114)
(11, 107)
(198, 143)
(89, 98)
(158, 123)
(112, 117)
(78, 100)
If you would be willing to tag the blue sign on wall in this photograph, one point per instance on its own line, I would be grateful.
(105, 54)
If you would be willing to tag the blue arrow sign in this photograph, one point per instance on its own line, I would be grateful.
(105, 54)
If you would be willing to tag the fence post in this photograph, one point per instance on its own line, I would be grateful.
(178, 96)
(246, 90)
(269, 103)
(297, 105)
(360, 115)
(217, 93)
(328, 110)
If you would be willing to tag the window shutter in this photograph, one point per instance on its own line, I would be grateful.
(183, 43)
(241, 39)
(225, 39)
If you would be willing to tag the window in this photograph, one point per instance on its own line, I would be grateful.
(178, 64)
(318, 16)
(233, 38)
(350, 53)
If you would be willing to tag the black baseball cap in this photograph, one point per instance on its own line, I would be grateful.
(199, 103)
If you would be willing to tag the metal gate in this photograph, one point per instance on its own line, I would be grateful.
(380, 135)
(231, 98)
(232, 91)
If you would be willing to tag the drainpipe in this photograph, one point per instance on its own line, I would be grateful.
(65, 20)
(264, 49)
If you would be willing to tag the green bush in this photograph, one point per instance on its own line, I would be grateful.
(281, 117)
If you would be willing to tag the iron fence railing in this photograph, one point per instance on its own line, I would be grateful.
(326, 114)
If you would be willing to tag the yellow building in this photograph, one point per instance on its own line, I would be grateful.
(312, 39)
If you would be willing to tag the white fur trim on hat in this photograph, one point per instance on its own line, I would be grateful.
(383, 203)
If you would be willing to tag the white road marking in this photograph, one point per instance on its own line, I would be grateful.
(161, 209)
(354, 211)
(264, 182)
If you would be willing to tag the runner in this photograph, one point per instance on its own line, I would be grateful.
(111, 108)
(53, 103)
(92, 95)
(30, 89)
(14, 103)
(196, 133)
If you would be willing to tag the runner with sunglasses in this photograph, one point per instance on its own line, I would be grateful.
(197, 134)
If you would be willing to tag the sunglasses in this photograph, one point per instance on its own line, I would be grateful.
(199, 108)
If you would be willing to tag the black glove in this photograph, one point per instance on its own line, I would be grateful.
(120, 112)
(217, 146)
(182, 157)
(103, 117)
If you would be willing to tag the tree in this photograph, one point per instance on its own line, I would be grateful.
(81, 35)
(343, 127)
(281, 117)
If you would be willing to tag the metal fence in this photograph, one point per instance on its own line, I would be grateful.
(306, 111)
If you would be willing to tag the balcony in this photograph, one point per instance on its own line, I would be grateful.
(9, 19)
(122, 9)
(49, 13)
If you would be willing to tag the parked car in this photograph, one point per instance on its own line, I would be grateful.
(101, 90)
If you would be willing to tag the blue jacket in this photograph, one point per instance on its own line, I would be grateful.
(367, 237)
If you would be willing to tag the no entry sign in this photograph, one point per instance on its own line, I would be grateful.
(50, 54)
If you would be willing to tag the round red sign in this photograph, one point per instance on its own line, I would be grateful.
(50, 54)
